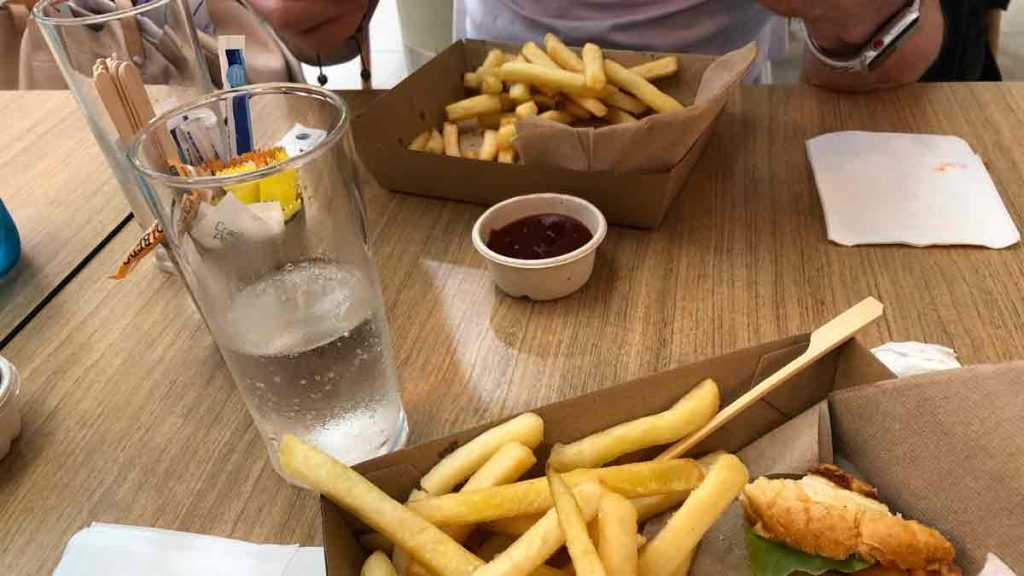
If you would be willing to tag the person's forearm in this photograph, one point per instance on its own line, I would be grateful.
(905, 64)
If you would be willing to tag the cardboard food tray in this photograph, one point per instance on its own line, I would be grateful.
(849, 366)
(386, 127)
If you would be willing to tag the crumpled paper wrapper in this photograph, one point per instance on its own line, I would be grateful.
(944, 448)
(655, 143)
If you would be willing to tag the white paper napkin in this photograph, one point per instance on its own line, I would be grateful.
(117, 550)
(916, 189)
(909, 358)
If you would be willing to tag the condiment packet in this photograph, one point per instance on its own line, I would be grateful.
(145, 245)
(232, 221)
(300, 139)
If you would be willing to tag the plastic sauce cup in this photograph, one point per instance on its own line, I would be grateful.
(10, 410)
(547, 278)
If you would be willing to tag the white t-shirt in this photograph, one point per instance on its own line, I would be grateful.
(685, 26)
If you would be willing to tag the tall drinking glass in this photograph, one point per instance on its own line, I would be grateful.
(278, 262)
(157, 36)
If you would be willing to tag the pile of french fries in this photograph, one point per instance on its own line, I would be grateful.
(473, 514)
(553, 83)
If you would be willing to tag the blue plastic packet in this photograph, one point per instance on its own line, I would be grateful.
(10, 242)
(232, 68)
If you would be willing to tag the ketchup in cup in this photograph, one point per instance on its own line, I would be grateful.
(539, 236)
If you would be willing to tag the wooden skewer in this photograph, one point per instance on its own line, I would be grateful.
(823, 340)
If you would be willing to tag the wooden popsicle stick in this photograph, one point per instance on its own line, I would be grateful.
(107, 89)
(131, 81)
(823, 340)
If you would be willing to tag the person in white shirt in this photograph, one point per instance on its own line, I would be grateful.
(840, 28)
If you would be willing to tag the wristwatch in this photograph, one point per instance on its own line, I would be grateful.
(889, 35)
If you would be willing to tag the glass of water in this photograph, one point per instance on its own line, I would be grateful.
(276, 255)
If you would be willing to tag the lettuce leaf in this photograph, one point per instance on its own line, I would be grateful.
(768, 558)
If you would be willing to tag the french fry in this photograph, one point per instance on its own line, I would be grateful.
(507, 465)
(535, 55)
(686, 416)
(538, 75)
(617, 535)
(423, 541)
(451, 140)
(436, 143)
(400, 561)
(591, 104)
(489, 121)
(490, 84)
(646, 508)
(492, 546)
(527, 429)
(507, 103)
(507, 156)
(519, 92)
(670, 548)
(560, 53)
(575, 110)
(650, 506)
(639, 87)
(471, 80)
(525, 109)
(420, 141)
(656, 69)
(616, 116)
(377, 564)
(470, 155)
(489, 147)
(473, 106)
(533, 548)
(495, 58)
(585, 560)
(533, 497)
(593, 66)
(559, 116)
(625, 102)
(513, 526)
(506, 119)
(544, 101)
(374, 541)
(505, 135)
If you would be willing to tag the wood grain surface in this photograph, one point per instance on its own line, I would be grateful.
(59, 190)
(130, 415)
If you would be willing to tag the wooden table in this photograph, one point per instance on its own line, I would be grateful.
(60, 192)
(131, 416)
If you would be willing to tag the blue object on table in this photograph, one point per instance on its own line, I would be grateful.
(10, 242)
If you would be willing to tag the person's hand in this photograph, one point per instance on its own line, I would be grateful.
(840, 27)
(313, 27)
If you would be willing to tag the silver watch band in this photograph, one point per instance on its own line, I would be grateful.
(889, 35)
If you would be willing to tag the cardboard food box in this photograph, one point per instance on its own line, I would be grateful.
(849, 366)
(638, 198)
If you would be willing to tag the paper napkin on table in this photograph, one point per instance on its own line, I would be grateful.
(916, 189)
(910, 358)
(117, 550)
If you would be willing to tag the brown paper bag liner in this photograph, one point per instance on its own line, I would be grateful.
(653, 144)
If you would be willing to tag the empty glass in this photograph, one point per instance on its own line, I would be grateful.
(156, 36)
